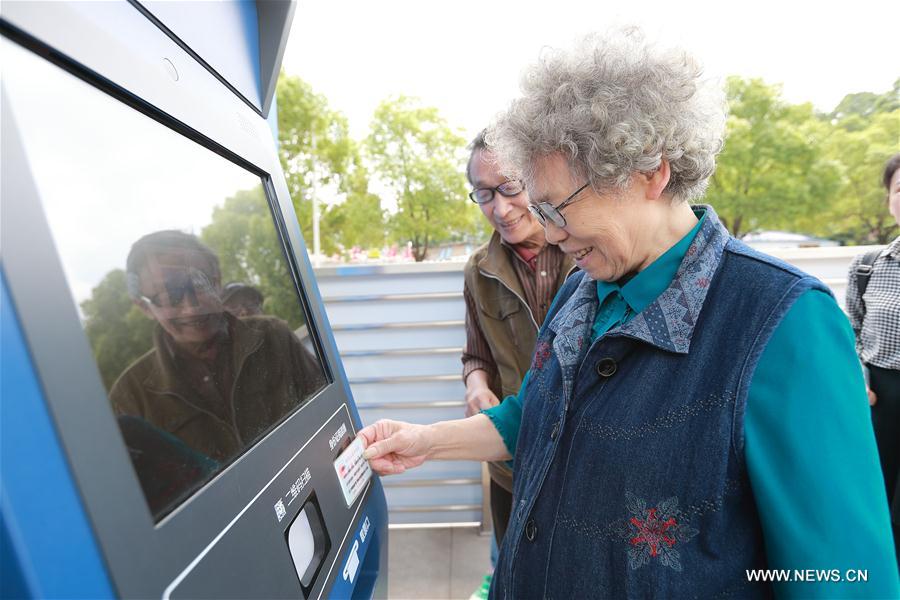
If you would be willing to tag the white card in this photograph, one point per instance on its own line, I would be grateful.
(353, 471)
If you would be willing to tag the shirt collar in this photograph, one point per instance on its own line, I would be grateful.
(527, 255)
(646, 286)
(894, 248)
(668, 322)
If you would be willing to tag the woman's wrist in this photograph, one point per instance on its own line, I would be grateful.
(477, 380)
(473, 438)
(438, 439)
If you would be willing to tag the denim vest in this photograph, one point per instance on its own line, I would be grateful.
(630, 480)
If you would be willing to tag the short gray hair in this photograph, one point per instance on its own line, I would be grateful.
(613, 106)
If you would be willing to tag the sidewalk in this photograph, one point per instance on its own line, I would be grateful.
(436, 564)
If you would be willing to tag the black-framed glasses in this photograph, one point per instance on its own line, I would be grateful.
(544, 211)
(507, 189)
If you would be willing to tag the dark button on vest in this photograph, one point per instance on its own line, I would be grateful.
(606, 367)
(555, 431)
(530, 530)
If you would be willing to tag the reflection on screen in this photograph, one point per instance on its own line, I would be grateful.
(172, 256)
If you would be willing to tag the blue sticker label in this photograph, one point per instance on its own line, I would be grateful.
(350, 564)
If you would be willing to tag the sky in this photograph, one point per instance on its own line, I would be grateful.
(465, 57)
(100, 197)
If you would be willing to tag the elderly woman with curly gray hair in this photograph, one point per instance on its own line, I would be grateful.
(694, 413)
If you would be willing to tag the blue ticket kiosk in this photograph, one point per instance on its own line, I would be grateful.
(174, 410)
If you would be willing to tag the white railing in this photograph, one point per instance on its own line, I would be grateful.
(828, 264)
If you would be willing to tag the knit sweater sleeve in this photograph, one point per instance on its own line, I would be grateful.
(507, 417)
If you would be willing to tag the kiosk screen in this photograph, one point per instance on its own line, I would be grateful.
(173, 258)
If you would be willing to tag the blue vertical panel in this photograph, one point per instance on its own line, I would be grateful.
(365, 558)
(49, 550)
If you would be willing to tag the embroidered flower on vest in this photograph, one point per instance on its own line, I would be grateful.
(654, 532)
(541, 354)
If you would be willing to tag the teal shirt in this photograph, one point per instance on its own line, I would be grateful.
(810, 451)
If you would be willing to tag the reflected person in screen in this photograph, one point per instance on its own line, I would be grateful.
(242, 300)
(509, 284)
(215, 382)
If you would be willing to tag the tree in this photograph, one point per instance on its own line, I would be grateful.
(359, 219)
(417, 155)
(773, 172)
(318, 154)
(117, 330)
(861, 146)
(243, 235)
(854, 110)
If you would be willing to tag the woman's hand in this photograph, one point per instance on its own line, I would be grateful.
(392, 447)
(872, 397)
(479, 399)
(478, 394)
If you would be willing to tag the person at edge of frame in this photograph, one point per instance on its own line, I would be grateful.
(875, 316)
(510, 282)
(695, 414)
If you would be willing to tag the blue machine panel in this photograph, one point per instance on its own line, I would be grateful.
(49, 550)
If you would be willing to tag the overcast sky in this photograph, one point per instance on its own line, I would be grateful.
(465, 57)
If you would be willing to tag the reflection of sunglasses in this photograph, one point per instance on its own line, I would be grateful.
(180, 284)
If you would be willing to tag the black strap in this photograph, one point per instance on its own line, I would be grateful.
(863, 272)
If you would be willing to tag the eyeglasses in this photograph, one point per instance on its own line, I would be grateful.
(180, 284)
(544, 211)
(507, 189)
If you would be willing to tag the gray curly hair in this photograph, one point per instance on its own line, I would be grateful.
(613, 106)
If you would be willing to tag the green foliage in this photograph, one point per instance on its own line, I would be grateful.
(853, 112)
(773, 172)
(411, 148)
(117, 330)
(421, 159)
(784, 167)
(865, 132)
(861, 146)
(360, 221)
(318, 154)
(243, 235)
